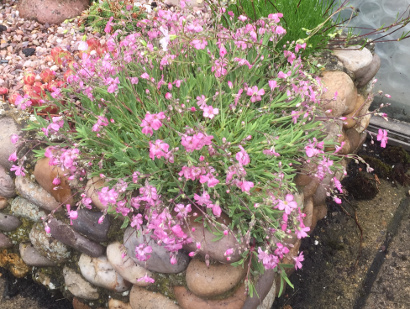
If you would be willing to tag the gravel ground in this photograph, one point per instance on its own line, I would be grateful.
(17, 35)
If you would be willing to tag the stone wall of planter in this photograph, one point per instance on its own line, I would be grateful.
(94, 264)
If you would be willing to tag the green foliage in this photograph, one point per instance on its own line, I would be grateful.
(299, 19)
(99, 14)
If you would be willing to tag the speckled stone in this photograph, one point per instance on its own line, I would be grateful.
(87, 224)
(69, 237)
(47, 245)
(141, 298)
(93, 185)
(32, 257)
(7, 187)
(3, 203)
(78, 286)
(117, 304)
(35, 194)
(125, 266)
(23, 208)
(100, 272)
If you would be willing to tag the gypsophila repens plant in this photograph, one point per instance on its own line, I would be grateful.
(187, 121)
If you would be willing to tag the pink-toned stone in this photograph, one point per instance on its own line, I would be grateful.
(337, 82)
(308, 211)
(35, 193)
(117, 304)
(205, 236)
(214, 280)
(45, 174)
(188, 300)
(51, 11)
(5, 242)
(141, 298)
(3, 202)
(91, 190)
(8, 127)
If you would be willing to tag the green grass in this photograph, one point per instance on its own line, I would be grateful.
(299, 16)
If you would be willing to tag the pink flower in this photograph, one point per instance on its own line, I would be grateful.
(147, 279)
(145, 75)
(107, 28)
(298, 261)
(301, 231)
(201, 101)
(199, 44)
(281, 250)
(168, 96)
(142, 252)
(382, 137)
(210, 112)
(242, 157)
(245, 186)
(18, 170)
(159, 149)
(255, 93)
(275, 17)
(152, 121)
(288, 205)
(280, 30)
(13, 157)
(272, 84)
(14, 138)
(299, 46)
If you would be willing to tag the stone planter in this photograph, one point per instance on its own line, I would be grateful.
(95, 262)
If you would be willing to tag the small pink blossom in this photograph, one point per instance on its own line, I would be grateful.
(255, 93)
(210, 112)
(242, 156)
(13, 157)
(298, 260)
(158, 149)
(382, 137)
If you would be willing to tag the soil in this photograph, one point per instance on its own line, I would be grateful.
(357, 257)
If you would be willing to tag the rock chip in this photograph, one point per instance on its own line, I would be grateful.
(338, 84)
(7, 188)
(87, 224)
(100, 272)
(214, 280)
(8, 223)
(78, 286)
(23, 208)
(141, 298)
(263, 287)
(69, 237)
(5, 242)
(204, 236)
(45, 174)
(50, 11)
(354, 58)
(32, 257)
(117, 304)
(28, 51)
(48, 246)
(35, 194)
(188, 300)
(7, 128)
(160, 258)
(269, 299)
(124, 265)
